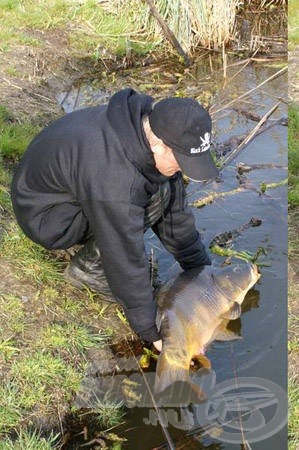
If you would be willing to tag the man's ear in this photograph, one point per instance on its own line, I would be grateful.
(159, 148)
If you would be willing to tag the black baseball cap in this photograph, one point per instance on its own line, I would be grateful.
(185, 126)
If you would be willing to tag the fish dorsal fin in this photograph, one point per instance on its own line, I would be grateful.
(233, 313)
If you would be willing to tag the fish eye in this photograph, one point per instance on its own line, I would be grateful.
(237, 269)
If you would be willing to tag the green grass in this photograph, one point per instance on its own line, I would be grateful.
(30, 259)
(89, 27)
(41, 377)
(27, 440)
(10, 409)
(293, 415)
(12, 316)
(293, 145)
(107, 412)
(5, 179)
(8, 349)
(69, 337)
(14, 136)
(293, 7)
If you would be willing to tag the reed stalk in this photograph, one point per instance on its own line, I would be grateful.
(200, 22)
(194, 22)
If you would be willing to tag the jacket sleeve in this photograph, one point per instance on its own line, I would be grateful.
(118, 231)
(177, 229)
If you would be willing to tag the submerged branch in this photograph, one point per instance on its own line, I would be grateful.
(265, 186)
(221, 244)
(244, 168)
(250, 136)
(228, 146)
(214, 196)
(275, 75)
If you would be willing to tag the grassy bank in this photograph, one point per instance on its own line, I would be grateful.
(90, 27)
(293, 23)
(293, 148)
(293, 139)
(293, 278)
(47, 328)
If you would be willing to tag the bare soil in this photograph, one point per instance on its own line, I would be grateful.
(39, 72)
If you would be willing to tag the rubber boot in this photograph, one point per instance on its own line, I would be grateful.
(85, 269)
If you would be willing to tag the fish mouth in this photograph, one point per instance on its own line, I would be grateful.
(255, 273)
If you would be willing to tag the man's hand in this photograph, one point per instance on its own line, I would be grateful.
(158, 345)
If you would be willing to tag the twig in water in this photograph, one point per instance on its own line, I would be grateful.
(213, 196)
(248, 61)
(244, 168)
(77, 98)
(265, 186)
(248, 114)
(275, 75)
(248, 138)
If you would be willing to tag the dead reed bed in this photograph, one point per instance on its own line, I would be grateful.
(195, 23)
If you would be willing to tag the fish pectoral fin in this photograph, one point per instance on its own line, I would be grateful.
(233, 313)
(225, 335)
(167, 374)
(159, 319)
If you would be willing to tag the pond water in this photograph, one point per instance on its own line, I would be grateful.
(262, 352)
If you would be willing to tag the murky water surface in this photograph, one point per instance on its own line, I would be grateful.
(262, 351)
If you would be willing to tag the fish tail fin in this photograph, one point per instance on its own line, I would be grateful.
(167, 374)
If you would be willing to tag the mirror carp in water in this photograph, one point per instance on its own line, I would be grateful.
(194, 309)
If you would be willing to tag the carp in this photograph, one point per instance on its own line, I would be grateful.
(194, 309)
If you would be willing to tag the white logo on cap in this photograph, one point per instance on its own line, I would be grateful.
(204, 146)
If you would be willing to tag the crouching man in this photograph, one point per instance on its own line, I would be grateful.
(100, 177)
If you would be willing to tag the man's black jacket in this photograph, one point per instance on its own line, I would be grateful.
(98, 160)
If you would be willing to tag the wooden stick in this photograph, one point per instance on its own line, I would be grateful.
(167, 32)
(213, 196)
(265, 186)
(243, 168)
(275, 75)
(250, 136)
(249, 60)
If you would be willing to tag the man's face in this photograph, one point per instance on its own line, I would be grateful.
(165, 160)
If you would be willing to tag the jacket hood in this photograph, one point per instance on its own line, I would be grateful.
(124, 112)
